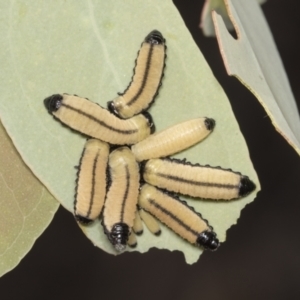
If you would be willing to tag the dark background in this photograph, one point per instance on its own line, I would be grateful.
(260, 259)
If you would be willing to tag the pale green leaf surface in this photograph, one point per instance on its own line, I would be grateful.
(27, 207)
(206, 22)
(254, 60)
(88, 48)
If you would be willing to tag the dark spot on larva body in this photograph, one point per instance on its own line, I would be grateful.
(150, 121)
(119, 236)
(210, 124)
(157, 233)
(53, 103)
(155, 38)
(140, 232)
(246, 186)
(133, 245)
(208, 240)
(82, 220)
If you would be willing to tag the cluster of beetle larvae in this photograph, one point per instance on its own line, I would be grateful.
(125, 174)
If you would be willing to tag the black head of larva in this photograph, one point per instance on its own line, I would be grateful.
(119, 236)
(83, 220)
(210, 124)
(246, 186)
(208, 240)
(155, 38)
(150, 121)
(53, 102)
(111, 107)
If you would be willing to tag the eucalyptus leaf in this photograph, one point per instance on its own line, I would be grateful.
(255, 61)
(88, 48)
(27, 207)
(219, 6)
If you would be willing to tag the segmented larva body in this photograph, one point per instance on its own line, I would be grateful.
(150, 222)
(178, 216)
(173, 139)
(146, 80)
(121, 199)
(91, 181)
(93, 120)
(204, 182)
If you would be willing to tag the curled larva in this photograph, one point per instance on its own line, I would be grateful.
(173, 139)
(204, 182)
(146, 80)
(178, 216)
(93, 120)
(91, 181)
(121, 199)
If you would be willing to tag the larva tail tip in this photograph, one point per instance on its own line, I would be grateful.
(208, 240)
(155, 38)
(82, 220)
(246, 186)
(210, 124)
(53, 102)
(132, 245)
(157, 233)
(140, 232)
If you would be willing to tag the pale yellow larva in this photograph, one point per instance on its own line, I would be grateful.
(204, 182)
(150, 222)
(93, 120)
(173, 139)
(146, 80)
(121, 199)
(91, 181)
(178, 216)
(138, 224)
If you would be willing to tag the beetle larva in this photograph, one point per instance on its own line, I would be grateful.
(178, 216)
(205, 182)
(91, 181)
(173, 139)
(121, 199)
(146, 80)
(93, 120)
(138, 224)
(150, 222)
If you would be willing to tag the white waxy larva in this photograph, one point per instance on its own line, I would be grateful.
(150, 222)
(91, 181)
(178, 216)
(146, 80)
(95, 121)
(121, 199)
(204, 182)
(173, 139)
